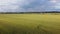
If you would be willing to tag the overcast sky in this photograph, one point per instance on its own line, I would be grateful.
(29, 5)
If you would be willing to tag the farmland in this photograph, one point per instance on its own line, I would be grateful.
(29, 24)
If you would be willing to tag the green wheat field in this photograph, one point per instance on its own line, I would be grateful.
(29, 24)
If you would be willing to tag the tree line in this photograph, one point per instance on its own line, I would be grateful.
(29, 12)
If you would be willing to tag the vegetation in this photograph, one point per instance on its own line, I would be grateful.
(29, 24)
(30, 12)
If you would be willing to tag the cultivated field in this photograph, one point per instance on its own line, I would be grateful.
(29, 24)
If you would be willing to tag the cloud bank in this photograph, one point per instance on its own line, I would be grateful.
(29, 5)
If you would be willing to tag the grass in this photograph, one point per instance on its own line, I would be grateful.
(29, 24)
